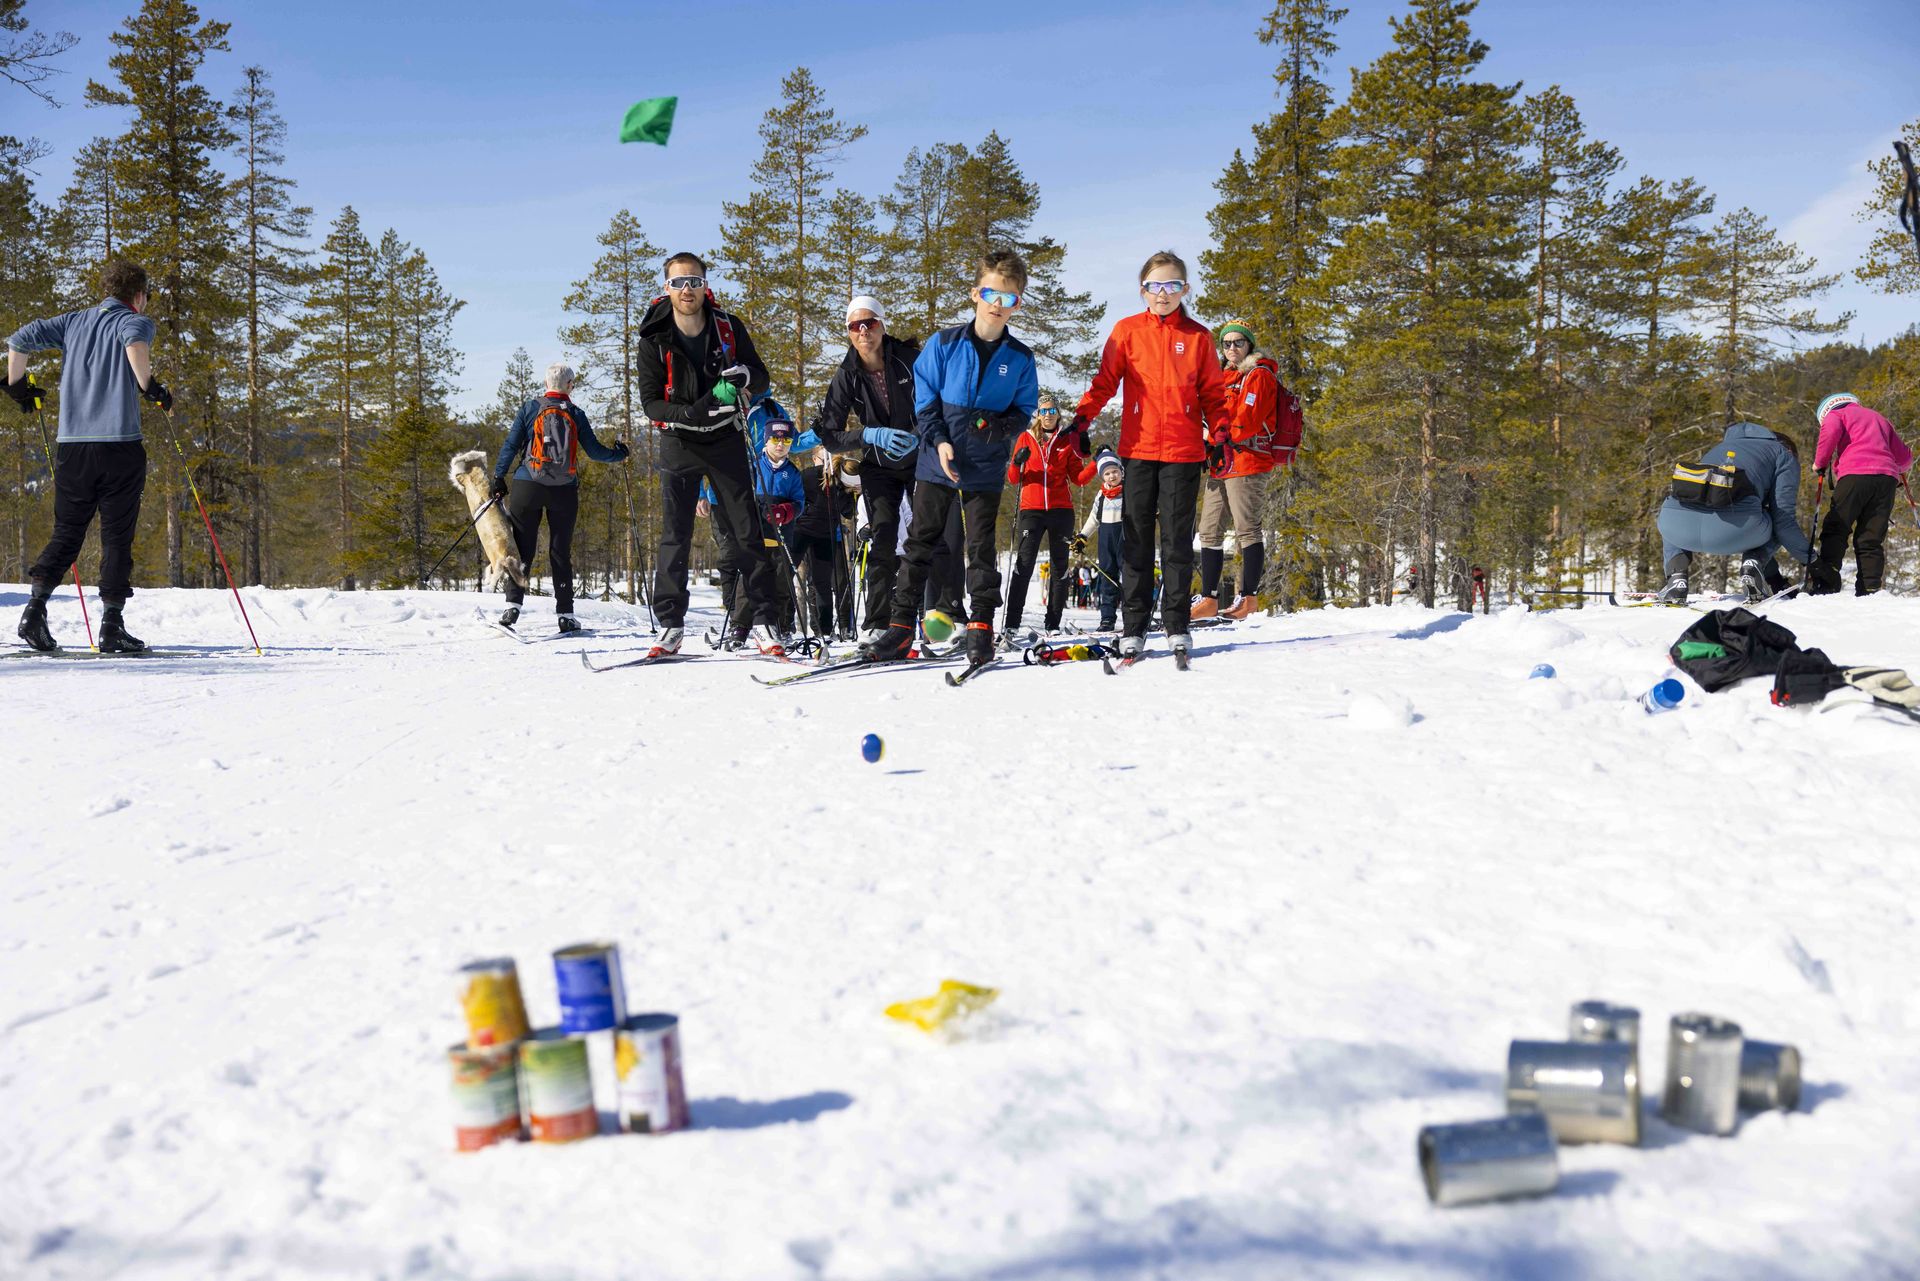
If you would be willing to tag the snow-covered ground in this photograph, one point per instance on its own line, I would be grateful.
(1253, 926)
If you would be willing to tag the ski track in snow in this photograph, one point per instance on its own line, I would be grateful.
(1253, 926)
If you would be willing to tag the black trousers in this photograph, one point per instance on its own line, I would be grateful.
(721, 460)
(883, 490)
(818, 557)
(107, 477)
(527, 501)
(947, 578)
(1166, 492)
(737, 606)
(1862, 508)
(933, 506)
(1057, 527)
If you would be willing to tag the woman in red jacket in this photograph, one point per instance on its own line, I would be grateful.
(1045, 461)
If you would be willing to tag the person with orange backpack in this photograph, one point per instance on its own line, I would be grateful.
(1263, 432)
(550, 430)
(1045, 462)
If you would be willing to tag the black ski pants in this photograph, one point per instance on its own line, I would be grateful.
(933, 504)
(527, 501)
(720, 458)
(947, 578)
(818, 557)
(1056, 526)
(734, 603)
(883, 490)
(1166, 492)
(106, 477)
(1862, 508)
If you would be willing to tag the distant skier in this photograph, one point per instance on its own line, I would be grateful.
(975, 389)
(1045, 462)
(101, 466)
(1175, 405)
(819, 537)
(695, 366)
(1238, 471)
(1758, 523)
(1868, 458)
(547, 436)
(869, 408)
(1103, 523)
(736, 607)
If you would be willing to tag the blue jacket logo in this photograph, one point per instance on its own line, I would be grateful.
(1003, 371)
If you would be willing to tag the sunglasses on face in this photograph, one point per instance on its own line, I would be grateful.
(1049, 412)
(1163, 286)
(687, 282)
(998, 297)
(862, 326)
(1233, 342)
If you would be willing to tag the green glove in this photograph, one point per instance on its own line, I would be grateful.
(726, 393)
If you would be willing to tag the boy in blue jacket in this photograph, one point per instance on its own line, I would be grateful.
(975, 390)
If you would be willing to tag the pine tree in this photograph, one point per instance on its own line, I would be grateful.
(26, 56)
(398, 532)
(429, 362)
(340, 359)
(1892, 260)
(271, 262)
(519, 383)
(88, 224)
(175, 200)
(851, 247)
(801, 139)
(27, 291)
(921, 241)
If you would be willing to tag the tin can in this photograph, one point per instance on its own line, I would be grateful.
(490, 997)
(1489, 1160)
(1588, 1093)
(1703, 1074)
(486, 1096)
(593, 995)
(1769, 1077)
(1591, 1022)
(558, 1086)
(646, 1062)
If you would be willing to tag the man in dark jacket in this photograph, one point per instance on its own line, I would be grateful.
(102, 463)
(697, 371)
(975, 389)
(874, 385)
(1756, 525)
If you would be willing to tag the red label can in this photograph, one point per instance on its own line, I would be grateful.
(486, 1096)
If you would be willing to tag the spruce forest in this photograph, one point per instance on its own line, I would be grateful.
(1502, 342)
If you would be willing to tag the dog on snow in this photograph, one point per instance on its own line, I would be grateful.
(470, 476)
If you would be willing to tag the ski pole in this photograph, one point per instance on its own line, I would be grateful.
(1911, 506)
(174, 440)
(46, 448)
(470, 526)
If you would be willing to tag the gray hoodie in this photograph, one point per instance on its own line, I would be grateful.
(99, 399)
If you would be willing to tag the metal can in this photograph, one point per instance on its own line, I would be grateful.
(559, 1087)
(1769, 1077)
(1703, 1074)
(1588, 1093)
(646, 1063)
(1591, 1022)
(593, 996)
(490, 997)
(1489, 1160)
(486, 1096)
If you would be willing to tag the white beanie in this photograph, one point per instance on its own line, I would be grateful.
(1832, 403)
(867, 302)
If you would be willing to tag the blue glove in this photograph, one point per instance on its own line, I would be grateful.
(890, 441)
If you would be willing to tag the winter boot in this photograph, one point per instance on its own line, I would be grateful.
(1752, 581)
(114, 637)
(980, 648)
(1108, 622)
(669, 642)
(894, 643)
(509, 616)
(33, 622)
(568, 623)
(1243, 608)
(1203, 607)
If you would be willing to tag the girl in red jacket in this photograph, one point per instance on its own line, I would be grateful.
(1045, 461)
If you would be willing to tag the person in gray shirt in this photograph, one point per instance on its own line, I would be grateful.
(101, 464)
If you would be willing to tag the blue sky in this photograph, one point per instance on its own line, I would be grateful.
(485, 133)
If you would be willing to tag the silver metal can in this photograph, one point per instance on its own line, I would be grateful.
(1589, 1093)
(646, 1063)
(1769, 1077)
(1591, 1022)
(1489, 1160)
(1703, 1074)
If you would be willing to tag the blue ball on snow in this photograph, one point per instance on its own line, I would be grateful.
(872, 749)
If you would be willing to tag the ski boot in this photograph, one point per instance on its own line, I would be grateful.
(509, 616)
(1130, 646)
(774, 641)
(568, 623)
(895, 643)
(1674, 593)
(33, 624)
(1178, 643)
(1752, 581)
(114, 637)
(669, 642)
(980, 645)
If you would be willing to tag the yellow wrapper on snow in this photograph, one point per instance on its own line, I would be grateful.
(954, 1000)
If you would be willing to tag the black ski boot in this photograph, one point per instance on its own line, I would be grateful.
(114, 637)
(894, 643)
(980, 646)
(33, 623)
(1752, 581)
(568, 623)
(1675, 591)
(509, 616)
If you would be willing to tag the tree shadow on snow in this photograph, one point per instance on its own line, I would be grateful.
(728, 1113)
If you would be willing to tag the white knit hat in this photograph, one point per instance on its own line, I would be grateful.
(867, 302)
(1832, 403)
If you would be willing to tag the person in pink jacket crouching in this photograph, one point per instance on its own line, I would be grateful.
(1868, 460)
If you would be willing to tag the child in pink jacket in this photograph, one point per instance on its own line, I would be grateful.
(1867, 458)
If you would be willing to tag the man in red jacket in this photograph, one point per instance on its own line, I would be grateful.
(1045, 461)
(1236, 483)
(1175, 403)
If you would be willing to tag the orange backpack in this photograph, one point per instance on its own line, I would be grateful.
(553, 445)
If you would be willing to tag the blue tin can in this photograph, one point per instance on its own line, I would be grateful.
(593, 996)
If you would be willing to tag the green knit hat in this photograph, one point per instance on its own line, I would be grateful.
(1234, 327)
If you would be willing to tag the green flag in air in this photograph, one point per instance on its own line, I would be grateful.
(649, 120)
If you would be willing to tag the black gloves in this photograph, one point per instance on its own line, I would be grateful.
(863, 535)
(155, 394)
(26, 394)
(620, 448)
(1079, 544)
(1082, 429)
(499, 489)
(1020, 459)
